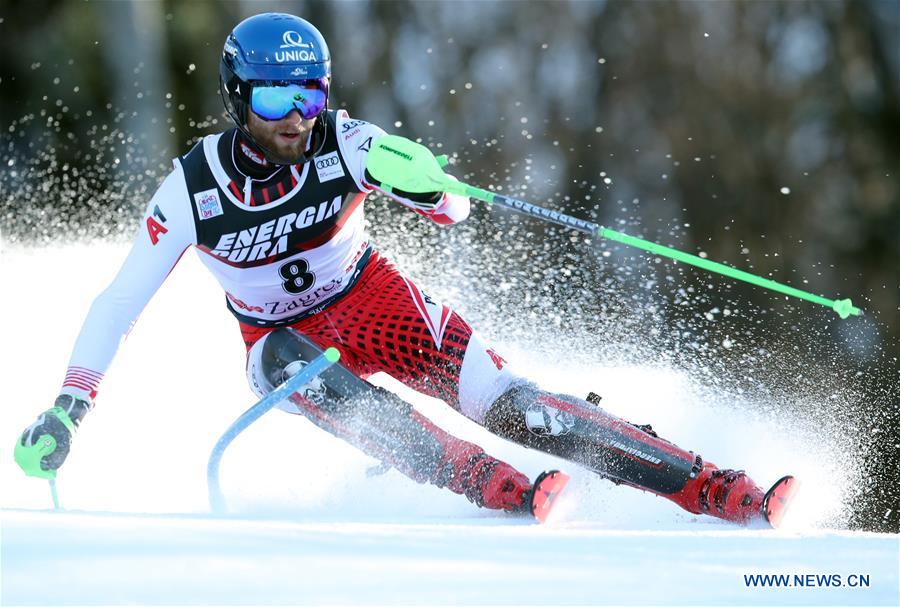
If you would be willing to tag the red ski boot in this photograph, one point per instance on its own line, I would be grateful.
(725, 494)
(498, 485)
(505, 488)
(491, 483)
(484, 480)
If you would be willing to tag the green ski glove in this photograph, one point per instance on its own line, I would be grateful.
(44, 445)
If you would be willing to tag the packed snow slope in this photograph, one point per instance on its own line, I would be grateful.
(307, 524)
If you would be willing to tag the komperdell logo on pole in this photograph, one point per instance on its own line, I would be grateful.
(403, 164)
(393, 151)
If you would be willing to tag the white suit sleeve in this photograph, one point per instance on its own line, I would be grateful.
(166, 230)
(355, 139)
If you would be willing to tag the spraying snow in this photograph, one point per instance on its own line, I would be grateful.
(307, 516)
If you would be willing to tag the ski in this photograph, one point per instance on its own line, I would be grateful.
(778, 499)
(547, 487)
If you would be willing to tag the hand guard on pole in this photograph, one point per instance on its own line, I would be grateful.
(44, 445)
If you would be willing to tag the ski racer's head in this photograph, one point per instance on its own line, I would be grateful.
(274, 78)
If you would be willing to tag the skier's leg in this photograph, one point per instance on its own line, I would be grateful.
(582, 432)
(384, 426)
(487, 390)
(390, 325)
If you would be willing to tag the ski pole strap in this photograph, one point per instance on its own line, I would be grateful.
(269, 401)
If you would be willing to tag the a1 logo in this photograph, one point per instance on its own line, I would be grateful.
(155, 226)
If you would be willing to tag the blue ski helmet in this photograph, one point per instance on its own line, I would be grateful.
(268, 49)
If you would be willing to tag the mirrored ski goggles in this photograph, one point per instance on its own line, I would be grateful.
(277, 101)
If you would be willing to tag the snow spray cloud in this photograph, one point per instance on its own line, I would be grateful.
(552, 295)
(813, 407)
(75, 174)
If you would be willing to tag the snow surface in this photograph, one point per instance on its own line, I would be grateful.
(308, 525)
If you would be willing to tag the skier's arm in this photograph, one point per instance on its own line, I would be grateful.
(165, 231)
(355, 138)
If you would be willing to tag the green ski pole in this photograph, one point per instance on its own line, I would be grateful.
(403, 164)
(53, 493)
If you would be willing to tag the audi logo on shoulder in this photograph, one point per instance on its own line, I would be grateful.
(324, 163)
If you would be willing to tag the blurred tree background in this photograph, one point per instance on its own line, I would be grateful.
(763, 134)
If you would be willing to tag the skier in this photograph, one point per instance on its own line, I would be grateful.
(274, 207)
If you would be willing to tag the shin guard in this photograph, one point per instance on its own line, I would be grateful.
(384, 426)
(578, 431)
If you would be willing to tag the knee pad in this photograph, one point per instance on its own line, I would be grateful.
(520, 415)
(371, 418)
(277, 357)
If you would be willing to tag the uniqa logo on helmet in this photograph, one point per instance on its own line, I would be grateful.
(285, 56)
(293, 40)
